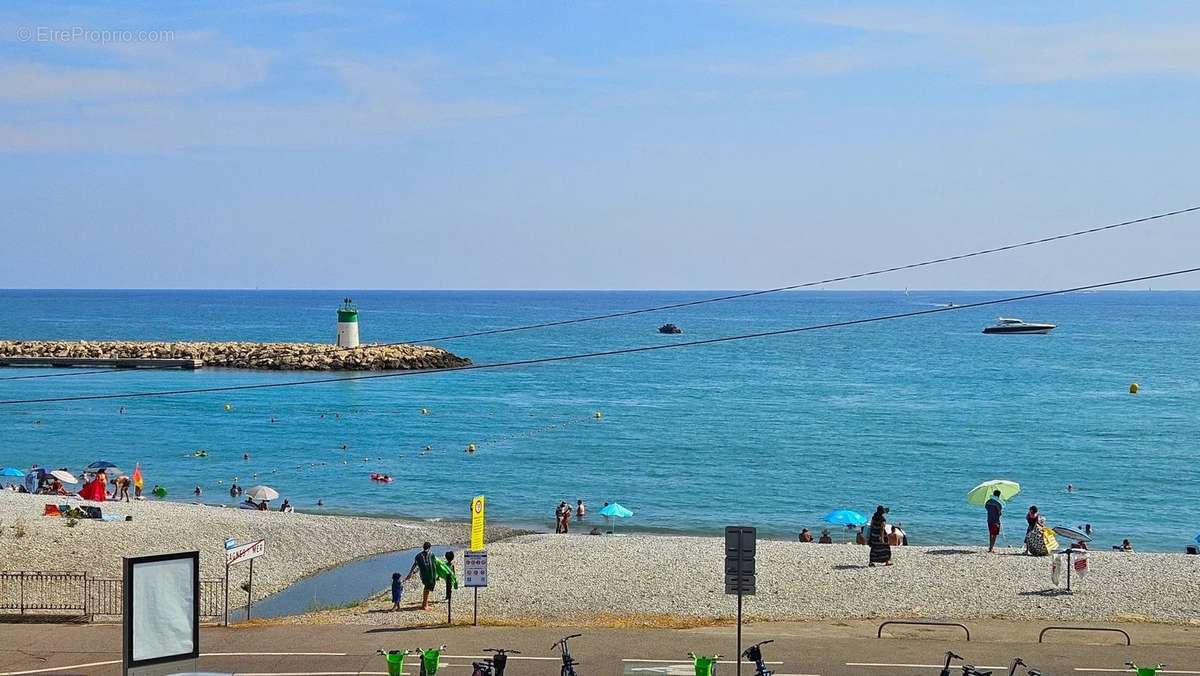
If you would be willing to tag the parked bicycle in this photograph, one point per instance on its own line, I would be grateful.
(493, 666)
(430, 660)
(568, 662)
(1144, 671)
(754, 654)
(705, 666)
(949, 656)
(970, 670)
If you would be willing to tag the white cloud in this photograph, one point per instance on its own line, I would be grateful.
(188, 63)
(1092, 49)
(374, 101)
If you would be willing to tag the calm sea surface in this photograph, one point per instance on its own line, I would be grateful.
(771, 432)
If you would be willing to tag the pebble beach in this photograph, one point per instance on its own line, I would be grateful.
(665, 580)
(298, 544)
(623, 580)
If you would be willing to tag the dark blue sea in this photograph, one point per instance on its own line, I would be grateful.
(772, 432)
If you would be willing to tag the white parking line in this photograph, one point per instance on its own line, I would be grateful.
(69, 667)
(273, 654)
(913, 666)
(510, 657)
(1126, 670)
(631, 659)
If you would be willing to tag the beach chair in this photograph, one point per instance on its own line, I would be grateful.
(51, 510)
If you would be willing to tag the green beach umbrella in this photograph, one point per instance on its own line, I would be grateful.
(980, 494)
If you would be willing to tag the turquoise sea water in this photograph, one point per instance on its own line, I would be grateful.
(772, 432)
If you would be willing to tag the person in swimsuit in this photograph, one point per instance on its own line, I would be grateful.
(580, 510)
(423, 564)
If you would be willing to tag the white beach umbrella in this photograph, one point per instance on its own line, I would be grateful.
(262, 493)
(64, 476)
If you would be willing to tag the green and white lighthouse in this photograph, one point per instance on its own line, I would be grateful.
(347, 335)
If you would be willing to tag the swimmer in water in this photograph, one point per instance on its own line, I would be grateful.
(245, 456)
(272, 419)
(1070, 488)
(320, 503)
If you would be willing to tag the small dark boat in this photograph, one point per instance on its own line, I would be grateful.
(669, 328)
(1008, 325)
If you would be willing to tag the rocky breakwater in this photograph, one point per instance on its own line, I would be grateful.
(277, 356)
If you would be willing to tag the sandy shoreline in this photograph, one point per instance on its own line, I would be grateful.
(298, 545)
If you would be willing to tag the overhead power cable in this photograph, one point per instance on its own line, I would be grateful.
(607, 353)
(717, 299)
(819, 282)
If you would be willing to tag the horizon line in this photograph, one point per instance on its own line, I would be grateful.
(567, 289)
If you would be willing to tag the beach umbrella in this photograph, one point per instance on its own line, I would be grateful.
(11, 471)
(99, 465)
(64, 476)
(980, 494)
(1197, 537)
(615, 511)
(1071, 533)
(845, 517)
(262, 493)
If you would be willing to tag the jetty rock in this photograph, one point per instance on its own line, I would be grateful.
(244, 355)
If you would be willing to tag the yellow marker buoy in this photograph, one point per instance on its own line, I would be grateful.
(1133, 388)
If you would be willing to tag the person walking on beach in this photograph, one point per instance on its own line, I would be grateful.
(423, 564)
(994, 509)
(881, 551)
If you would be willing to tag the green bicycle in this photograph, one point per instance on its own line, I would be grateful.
(705, 666)
(430, 660)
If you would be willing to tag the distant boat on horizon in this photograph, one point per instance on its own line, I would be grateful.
(1018, 326)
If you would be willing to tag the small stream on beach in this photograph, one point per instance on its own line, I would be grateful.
(345, 584)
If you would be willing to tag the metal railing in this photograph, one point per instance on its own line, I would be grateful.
(57, 592)
(71, 593)
(879, 633)
(1128, 641)
(105, 598)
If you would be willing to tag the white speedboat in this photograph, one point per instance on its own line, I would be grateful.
(1010, 325)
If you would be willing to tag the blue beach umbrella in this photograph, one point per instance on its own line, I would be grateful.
(1197, 537)
(11, 471)
(615, 511)
(99, 465)
(845, 517)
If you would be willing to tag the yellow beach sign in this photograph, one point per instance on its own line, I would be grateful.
(477, 518)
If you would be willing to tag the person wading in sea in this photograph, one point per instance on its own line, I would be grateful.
(423, 564)
(994, 509)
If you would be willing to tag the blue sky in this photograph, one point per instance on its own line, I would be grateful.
(592, 145)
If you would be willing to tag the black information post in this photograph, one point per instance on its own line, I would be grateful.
(740, 543)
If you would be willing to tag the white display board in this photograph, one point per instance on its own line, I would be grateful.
(475, 569)
(162, 610)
